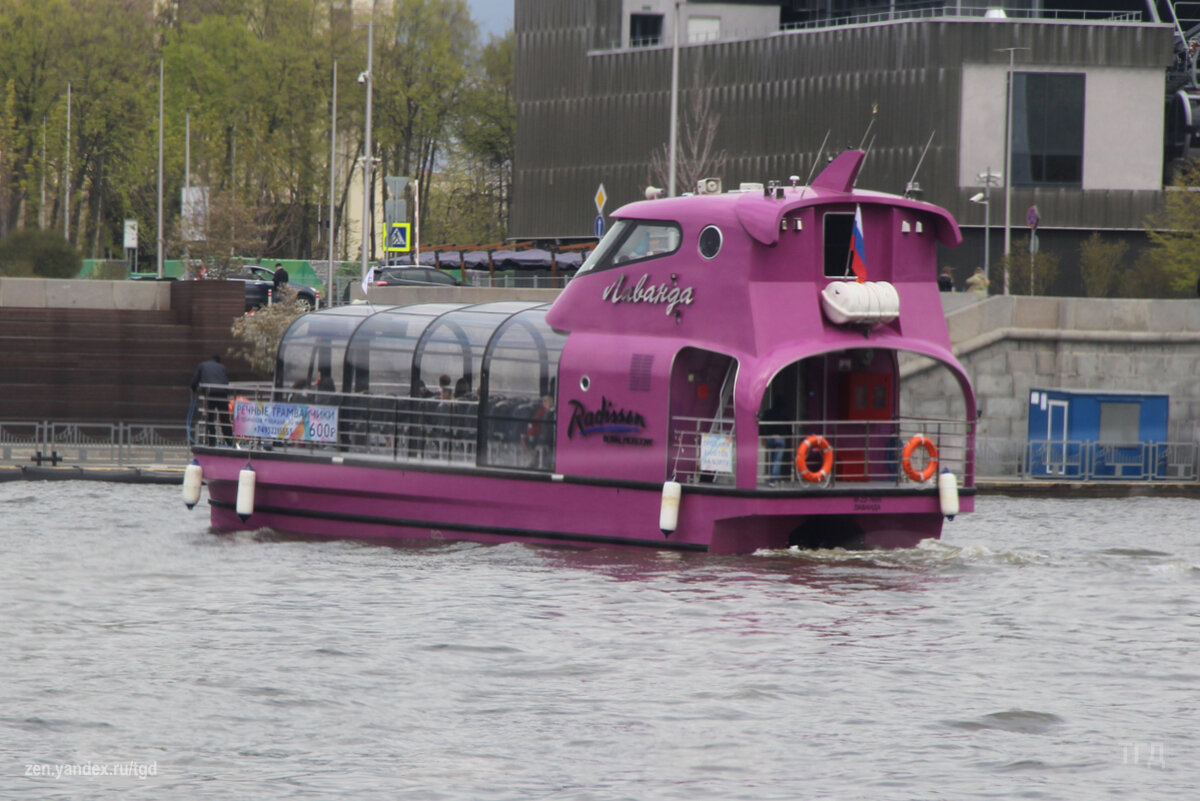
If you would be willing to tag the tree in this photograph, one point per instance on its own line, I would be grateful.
(260, 333)
(1100, 265)
(695, 154)
(421, 75)
(229, 232)
(1174, 232)
(474, 198)
(1045, 269)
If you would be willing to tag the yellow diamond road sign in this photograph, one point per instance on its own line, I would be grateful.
(601, 198)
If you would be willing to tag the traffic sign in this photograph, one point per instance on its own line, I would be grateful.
(398, 238)
(598, 226)
(600, 199)
(1031, 217)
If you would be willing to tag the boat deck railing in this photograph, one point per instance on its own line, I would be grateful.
(386, 427)
(866, 452)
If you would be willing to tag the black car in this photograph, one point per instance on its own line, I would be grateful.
(259, 281)
(413, 275)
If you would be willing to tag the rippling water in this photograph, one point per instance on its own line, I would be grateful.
(1044, 649)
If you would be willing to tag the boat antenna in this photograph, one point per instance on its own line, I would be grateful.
(913, 187)
(874, 116)
(818, 159)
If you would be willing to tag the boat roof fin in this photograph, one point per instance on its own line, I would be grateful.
(841, 173)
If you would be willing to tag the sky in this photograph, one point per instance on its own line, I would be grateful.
(494, 17)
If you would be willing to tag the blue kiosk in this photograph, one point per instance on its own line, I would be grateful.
(1094, 434)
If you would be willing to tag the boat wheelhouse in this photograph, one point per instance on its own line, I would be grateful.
(726, 372)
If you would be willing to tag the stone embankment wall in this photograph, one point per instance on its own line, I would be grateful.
(1012, 344)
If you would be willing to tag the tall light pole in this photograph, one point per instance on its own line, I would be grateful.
(159, 233)
(187, 148)
(1012, 52)
(67, 182)
(366, 78)
(674, 127)
(332, 166)
(985, 199)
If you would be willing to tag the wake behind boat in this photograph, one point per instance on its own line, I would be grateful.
(723, 374)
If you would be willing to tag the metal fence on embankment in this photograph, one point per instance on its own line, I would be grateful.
(53, 443)
(144, 444)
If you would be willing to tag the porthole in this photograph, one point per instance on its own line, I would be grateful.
(710, 241)
(584, 383)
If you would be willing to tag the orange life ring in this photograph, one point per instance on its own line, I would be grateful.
(920, 441)
(821, 445)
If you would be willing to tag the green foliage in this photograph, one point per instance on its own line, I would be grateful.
(1148, 278)
(1101, 265)
(260, 332)
(1045, 270)
(1174, 232)
(30, 252)
(255, 76)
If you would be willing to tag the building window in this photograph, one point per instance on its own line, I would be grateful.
(645, 30)
(1047, 128)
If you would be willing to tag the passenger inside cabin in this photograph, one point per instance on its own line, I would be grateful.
(462, 390)
(946, 281)
(444, 390)
(774, 430)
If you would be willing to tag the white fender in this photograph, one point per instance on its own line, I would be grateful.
(948, 494)
(193, 477)
(668, 513)
(245, 493)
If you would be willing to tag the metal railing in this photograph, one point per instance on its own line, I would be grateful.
(863, 452)
(388, 427)
(54, 443)
(1082, 460)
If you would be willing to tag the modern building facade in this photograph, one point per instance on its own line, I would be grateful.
(923, 87)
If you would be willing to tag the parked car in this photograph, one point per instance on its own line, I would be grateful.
(414, 275)
(260, 280)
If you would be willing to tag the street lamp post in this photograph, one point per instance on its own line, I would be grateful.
(674, 122)
(1012, 52)
(332, 164)
(366, 220)
(67, 182)
(187, 148)
(159, 232)
(985, 199)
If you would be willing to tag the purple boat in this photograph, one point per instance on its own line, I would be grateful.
(727, 372)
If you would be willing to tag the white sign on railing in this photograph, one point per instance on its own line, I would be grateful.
(716, 453)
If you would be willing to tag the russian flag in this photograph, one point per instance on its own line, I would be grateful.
(858, 252)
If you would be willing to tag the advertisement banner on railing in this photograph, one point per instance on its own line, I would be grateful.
(296, 422)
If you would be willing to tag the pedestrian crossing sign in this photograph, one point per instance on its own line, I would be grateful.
(398, 238)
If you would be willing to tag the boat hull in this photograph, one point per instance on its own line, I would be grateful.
(393, 504)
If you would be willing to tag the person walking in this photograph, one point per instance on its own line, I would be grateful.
(210, 381)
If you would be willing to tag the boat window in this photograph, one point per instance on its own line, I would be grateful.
(519, 394)
(379, 359)
(632, 241)
(312, 350)
(839, 228)
(452, 349)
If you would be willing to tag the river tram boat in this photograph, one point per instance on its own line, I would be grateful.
(726, 373)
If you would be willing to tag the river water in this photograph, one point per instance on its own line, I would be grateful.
(1045, 649)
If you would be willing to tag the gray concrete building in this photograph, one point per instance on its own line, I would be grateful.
(1098, 107)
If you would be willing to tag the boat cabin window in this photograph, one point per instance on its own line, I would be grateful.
(518, 417)
(312, 350)
(379, 359)
(454, 344)
(630, 241)
(839, 233)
